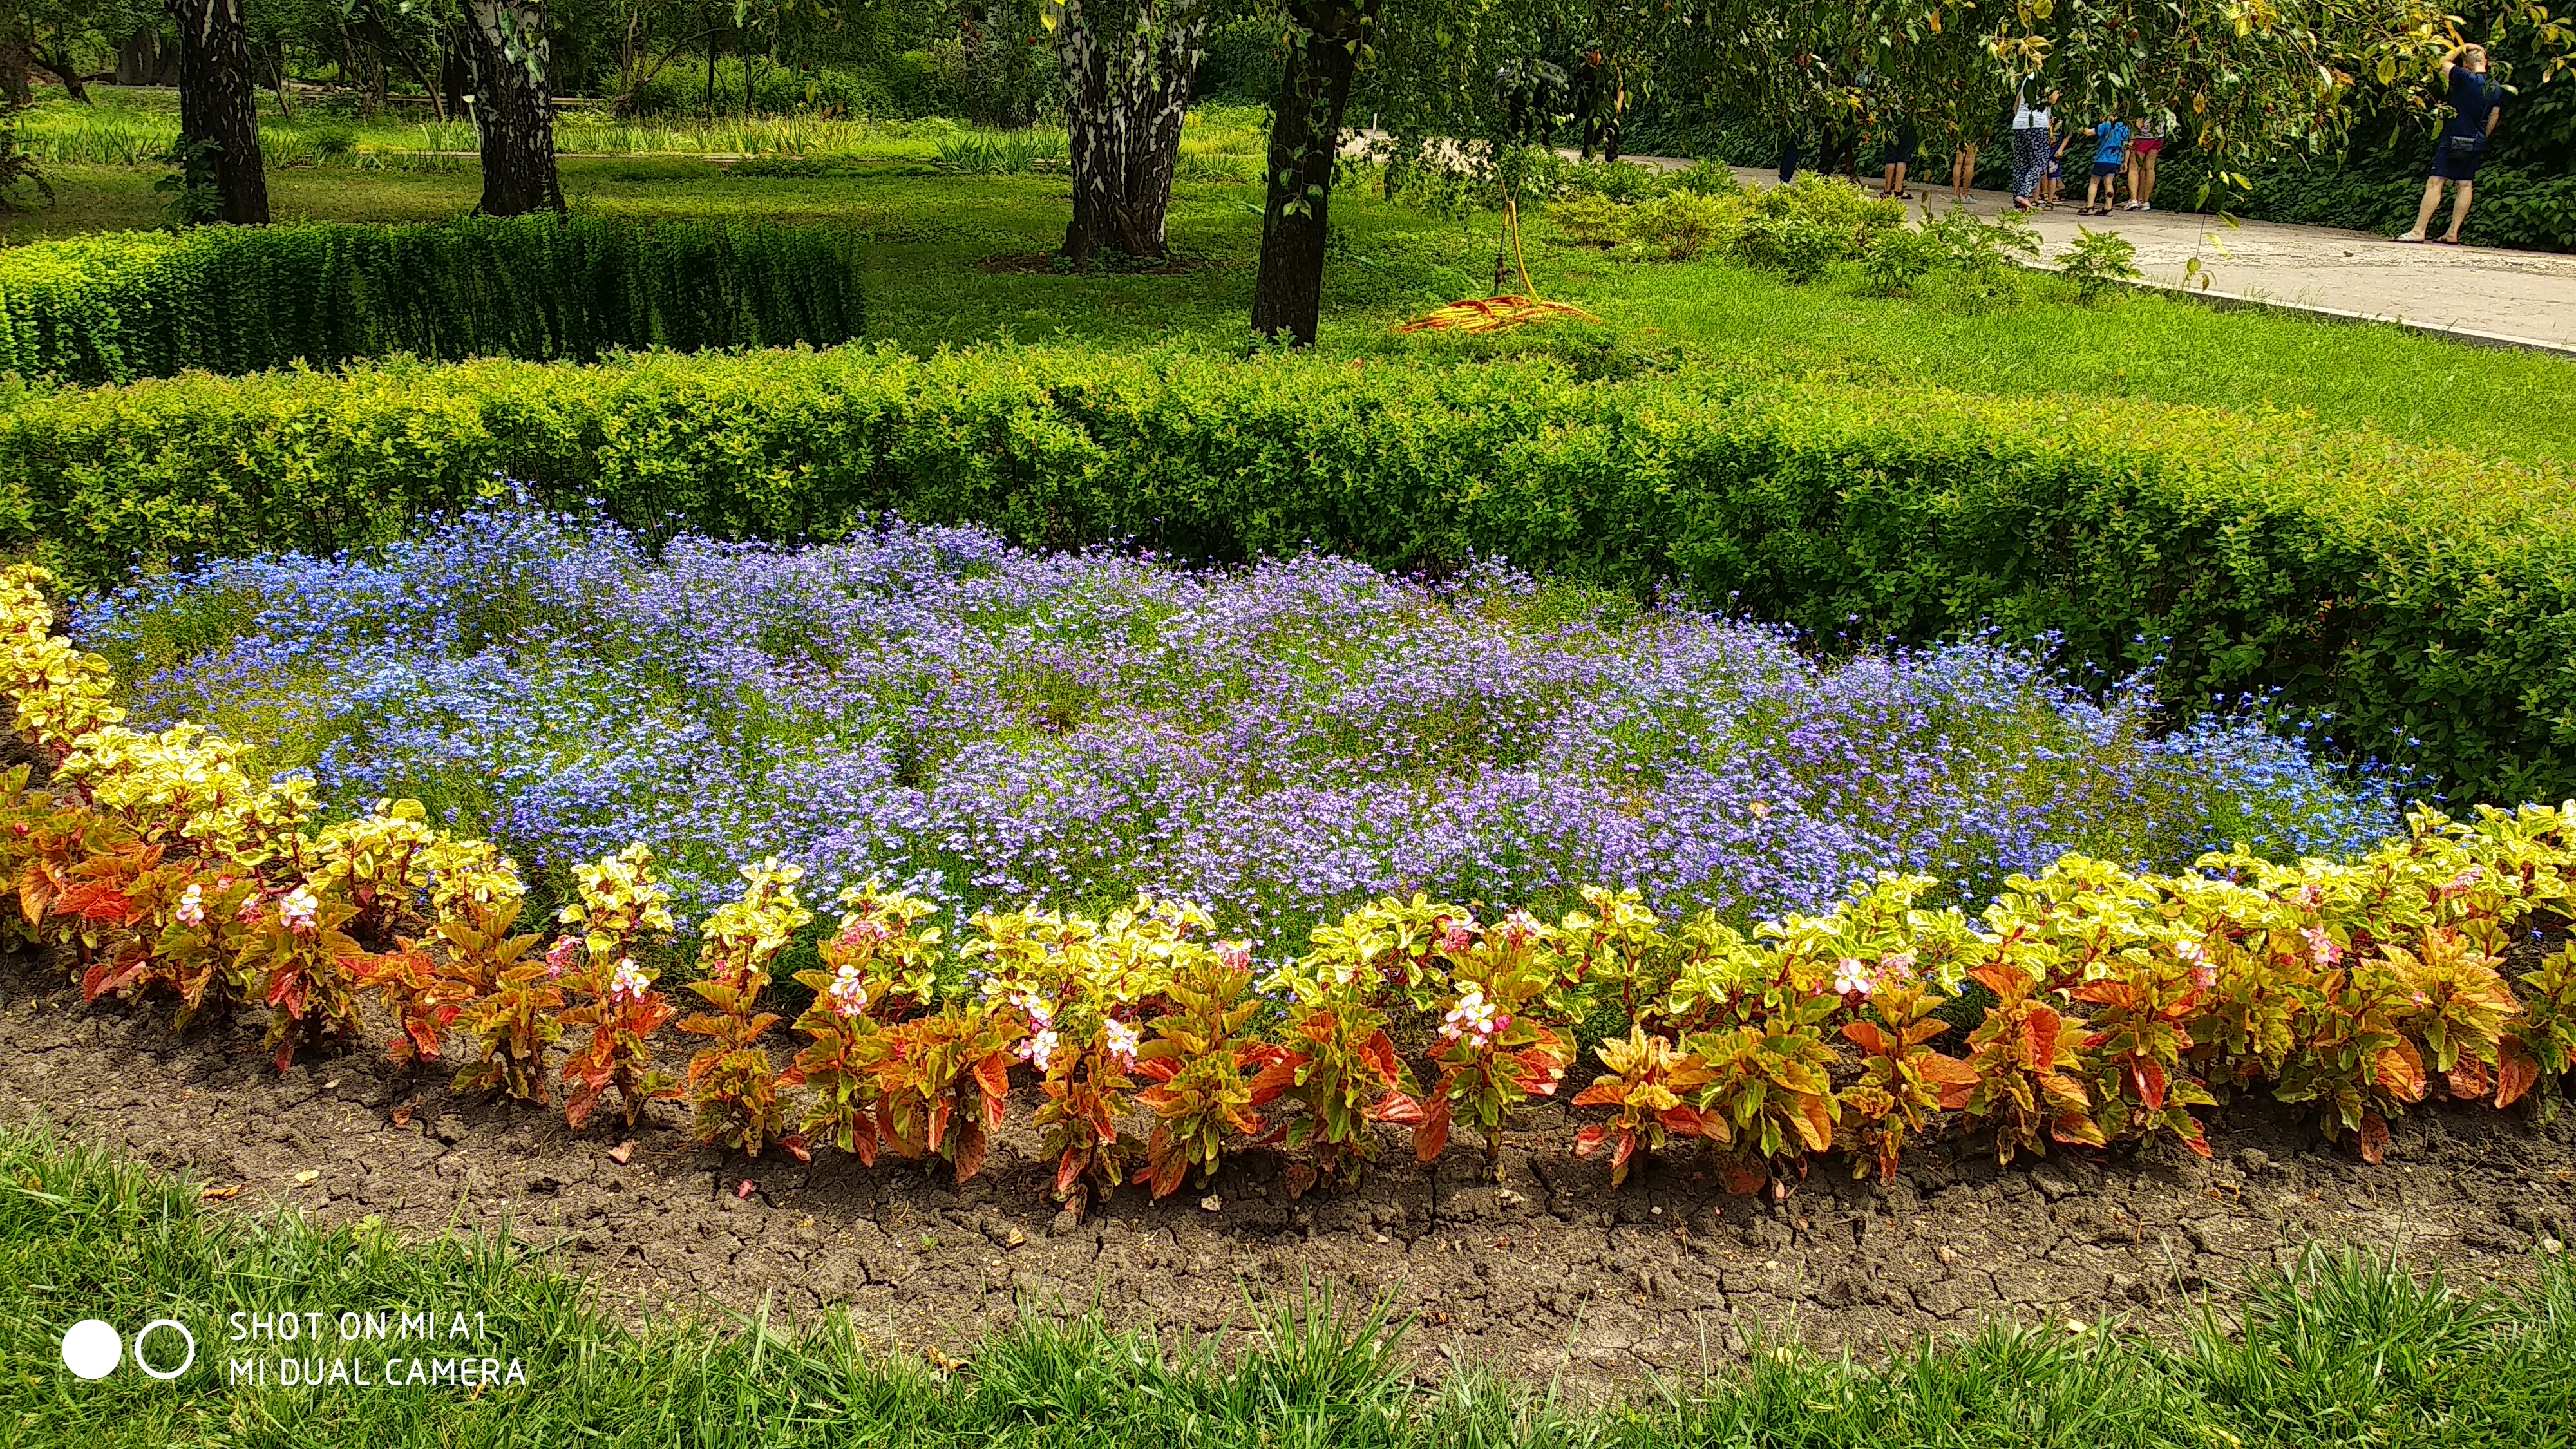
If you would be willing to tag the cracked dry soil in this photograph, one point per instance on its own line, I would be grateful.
(1550, 1273)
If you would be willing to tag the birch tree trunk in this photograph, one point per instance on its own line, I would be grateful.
(1127, 66)
(514, 117)
(219, 113)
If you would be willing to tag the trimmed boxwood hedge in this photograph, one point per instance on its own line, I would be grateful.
(2423, 598)
(115, 307)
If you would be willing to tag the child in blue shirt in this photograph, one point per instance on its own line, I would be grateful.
(2110, 157)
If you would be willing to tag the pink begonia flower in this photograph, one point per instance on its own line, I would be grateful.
(1852, 975)
(1473, 1018)
(191, 910)
(559, 956)
(1122, 1041)
(1899, 964)
(1521, 926)
(1039, 1050)
(296, 912)
(2323, 947)
(626, 983)
(2459, 885)
(1234, 956)
(864, 933)
(2312, 895)
(1458, 937)
(849, 991)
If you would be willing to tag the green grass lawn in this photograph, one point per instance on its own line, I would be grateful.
(2345, 1351)
(963, 259)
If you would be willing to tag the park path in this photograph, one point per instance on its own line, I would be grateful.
(2485, 294)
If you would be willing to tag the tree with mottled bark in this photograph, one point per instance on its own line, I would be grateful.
(1327, 40)
(1127, 66)
(220, 172)
(514, 117)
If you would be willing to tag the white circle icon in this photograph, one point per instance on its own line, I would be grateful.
(92, 1349)
(175, 1326)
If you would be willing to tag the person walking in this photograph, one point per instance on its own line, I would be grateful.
(2110, 157)
(2145, 146)
(2030, 125)
(2476, 105)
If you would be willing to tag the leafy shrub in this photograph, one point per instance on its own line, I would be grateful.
(1899, 261)
(1591, 220)
(2235, 545)
(1797, 247)
(1708, 178)
(2099, 261)
(115, 307)
(1621, 181)
(1679, 225)
(1984, 257)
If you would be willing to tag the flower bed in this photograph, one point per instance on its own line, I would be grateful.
(2114, 1001)
(1281, 743)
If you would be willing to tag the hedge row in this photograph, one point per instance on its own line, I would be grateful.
(116, 307)
(2424, 599)
(2529, 208)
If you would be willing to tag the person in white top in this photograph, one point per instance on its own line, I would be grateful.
(2145, 146)
(2030, 129)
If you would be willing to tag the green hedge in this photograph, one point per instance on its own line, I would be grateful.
(2530, 208)
(115, 307)
(2414, 593)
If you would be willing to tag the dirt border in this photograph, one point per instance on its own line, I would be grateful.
(1549, 1274)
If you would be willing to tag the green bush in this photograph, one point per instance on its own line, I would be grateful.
(1679, 225)
(1591, 221)
(1899, 261)
(111, 308)
(2099, 261)
(2420, 596)
(2530, 207)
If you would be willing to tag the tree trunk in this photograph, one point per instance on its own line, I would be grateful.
(16, 87)
(1305, 140)
(455, 77)
(1126, 93)
(64, 66)
(514, 117)
(219, 112)
(141, 61)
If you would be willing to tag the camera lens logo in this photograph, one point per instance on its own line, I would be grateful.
(92, 1348)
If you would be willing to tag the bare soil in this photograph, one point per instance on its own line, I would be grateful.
(1548, 1273)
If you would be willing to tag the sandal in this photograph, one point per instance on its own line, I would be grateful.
(2447, 241)
(2412, 241)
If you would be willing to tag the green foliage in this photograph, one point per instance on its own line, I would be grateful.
(115, 307)
(1900, 260)
(1678, 226)
(2235, 547)
(1984, 257)
(2517, 206)
(1005, 153)
(2099, 261)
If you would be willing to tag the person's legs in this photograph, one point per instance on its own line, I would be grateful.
(2147, 170)
(2424, 213)
(2460, 193)
(1896, 185)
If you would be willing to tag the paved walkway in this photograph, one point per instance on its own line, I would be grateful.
(2528, 298)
